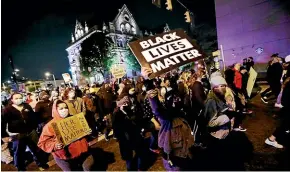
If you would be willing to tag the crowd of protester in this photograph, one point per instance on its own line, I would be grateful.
(191, 118)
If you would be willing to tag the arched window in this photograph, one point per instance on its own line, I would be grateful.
(128, 27)
(133, 30)
(126, 17)
(122, 27)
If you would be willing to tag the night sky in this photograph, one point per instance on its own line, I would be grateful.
(36, 33)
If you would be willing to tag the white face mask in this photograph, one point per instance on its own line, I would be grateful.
(63, 113)
(71, 95)
(18, 102)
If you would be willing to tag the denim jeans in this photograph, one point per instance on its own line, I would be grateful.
(86, 162)
(20, 142)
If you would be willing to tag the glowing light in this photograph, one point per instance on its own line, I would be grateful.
(16, 70)
(47, 74)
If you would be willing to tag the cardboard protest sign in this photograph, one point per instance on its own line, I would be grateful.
(251, 81)
(66, 77)
(118, 71)
(71, 129)
(164, 52)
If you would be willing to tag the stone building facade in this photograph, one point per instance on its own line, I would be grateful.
(121, 30)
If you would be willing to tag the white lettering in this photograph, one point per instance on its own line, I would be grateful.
(175, 59)
(157, 67)
(159, 40)
(174, 36)
(167, 37)
(144, 44)
(195, 53)
(166, 49)
(168, 62)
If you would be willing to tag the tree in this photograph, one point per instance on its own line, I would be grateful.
(94, 52)
(130, 60)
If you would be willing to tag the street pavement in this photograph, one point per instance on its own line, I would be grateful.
(259, 126)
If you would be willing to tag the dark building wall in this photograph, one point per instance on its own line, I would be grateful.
(244, 26)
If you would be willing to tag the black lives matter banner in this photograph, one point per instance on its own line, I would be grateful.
(164, 52)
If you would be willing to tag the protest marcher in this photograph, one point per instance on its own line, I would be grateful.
(285, 118)
(73, 157)
(20, 119)
(285, 75)
(176, 154)
(75, 104)
(225, 150)
(43, 110)
(274, 73)
(90, 112)
(128, 133)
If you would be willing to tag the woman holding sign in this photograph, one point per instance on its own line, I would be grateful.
(69, 157)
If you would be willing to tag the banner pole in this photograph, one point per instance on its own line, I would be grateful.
(223, 58)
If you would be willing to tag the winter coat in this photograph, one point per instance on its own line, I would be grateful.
(127, 131)
(217, 122)
(48, 140)
(76, 106)
(274, 73)
(238, 81)
(197, 96)
(43, 109)
(175, 134)
(18, 122)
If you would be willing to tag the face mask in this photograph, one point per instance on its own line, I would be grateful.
(63, 113)
(18, 102)
(71, 95)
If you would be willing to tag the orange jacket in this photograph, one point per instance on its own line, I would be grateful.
(48, 140)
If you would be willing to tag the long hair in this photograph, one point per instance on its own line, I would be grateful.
(65, 95)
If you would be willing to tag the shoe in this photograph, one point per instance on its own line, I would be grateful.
(157, 151)
(264, 100)
(107, 139)
(248, 112)
(278, 105)
(240, 129)
(43, 166)
(273, 143)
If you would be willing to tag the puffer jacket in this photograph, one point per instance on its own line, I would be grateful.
(48, 140)
(218, 123)
(175, 134)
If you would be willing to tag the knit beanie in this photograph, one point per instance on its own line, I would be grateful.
(124, 100)
(216, 81)
(287, 59)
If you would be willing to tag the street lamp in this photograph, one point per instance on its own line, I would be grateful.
(16, 70)
(47, 74)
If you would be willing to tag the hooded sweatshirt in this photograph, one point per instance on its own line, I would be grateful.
(48, 140)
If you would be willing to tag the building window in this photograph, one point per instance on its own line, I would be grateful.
(126, 17)
(128, 27)
(133, 30)
(122, 27)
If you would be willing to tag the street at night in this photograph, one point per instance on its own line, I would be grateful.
(259, 126)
